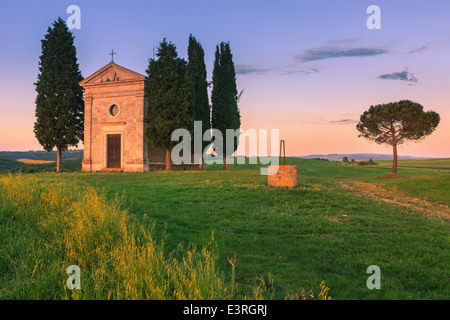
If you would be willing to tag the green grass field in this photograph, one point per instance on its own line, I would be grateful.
(433, 165)
(337, 222)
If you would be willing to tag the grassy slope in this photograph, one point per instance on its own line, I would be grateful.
(427, 178)
(435, 165)
(317, 231)
(46, 228)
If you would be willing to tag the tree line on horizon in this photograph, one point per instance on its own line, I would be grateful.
(176, 91)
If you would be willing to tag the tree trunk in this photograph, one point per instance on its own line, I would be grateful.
(168, 166)
(394, 164)
(58, 159)
(200, 162)
(225, 164)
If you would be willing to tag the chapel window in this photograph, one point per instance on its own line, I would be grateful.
(114, 110)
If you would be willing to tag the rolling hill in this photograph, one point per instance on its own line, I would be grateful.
(359, 156)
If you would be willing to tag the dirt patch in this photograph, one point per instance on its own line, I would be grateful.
(335, 220)
(394, 196)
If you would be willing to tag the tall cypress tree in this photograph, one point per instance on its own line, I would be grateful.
(200, 110)
(224, 97)
(59, 102)
(168, 96)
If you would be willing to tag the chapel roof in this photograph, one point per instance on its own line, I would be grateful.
(112, 73)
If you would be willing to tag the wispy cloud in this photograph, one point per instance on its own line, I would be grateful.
(254, 69)
(251, 69)
(343, 121)
(322, 121)
(329, 52)
(405, 76)
(305, 71)
(343, 42)
(418, 50)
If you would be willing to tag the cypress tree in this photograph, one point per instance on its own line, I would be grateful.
(200, 109)
(168, 97)
(224, 97)
(59, 102)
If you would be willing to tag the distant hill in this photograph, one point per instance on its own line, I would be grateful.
(41, 155)
(359, 156)
(8, 165)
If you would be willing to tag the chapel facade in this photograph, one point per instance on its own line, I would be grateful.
(115, 107)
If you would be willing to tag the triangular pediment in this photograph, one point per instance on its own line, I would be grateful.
(112, 73)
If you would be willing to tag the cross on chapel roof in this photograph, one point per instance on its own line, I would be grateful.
(112, 55)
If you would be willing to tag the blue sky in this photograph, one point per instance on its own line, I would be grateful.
(308, 68)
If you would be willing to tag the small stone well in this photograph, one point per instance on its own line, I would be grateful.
(283, 176)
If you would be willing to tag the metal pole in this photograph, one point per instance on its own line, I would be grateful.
(283, 145)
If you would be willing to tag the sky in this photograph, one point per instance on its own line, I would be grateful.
(307, 68)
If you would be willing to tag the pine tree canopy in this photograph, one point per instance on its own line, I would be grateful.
(397, 122)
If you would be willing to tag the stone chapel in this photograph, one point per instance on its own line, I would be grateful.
(115, 108)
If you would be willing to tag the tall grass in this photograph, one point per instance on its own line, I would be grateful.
(46, 228)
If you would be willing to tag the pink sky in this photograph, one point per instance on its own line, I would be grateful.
(308, 68)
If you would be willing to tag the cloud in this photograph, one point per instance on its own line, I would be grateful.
(305, 71)
(343, 121)
(329, 52)
(340, 42)
(405, 76)
(321, 121)
(253, 69)
(418, 50)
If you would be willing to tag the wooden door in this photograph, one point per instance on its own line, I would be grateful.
(113, 150)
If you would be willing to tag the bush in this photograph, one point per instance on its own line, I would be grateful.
(31, 170)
